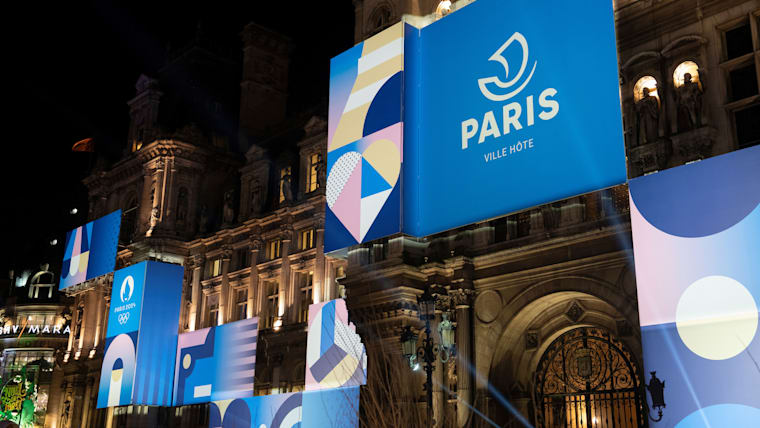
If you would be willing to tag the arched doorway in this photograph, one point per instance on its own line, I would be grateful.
(588, 379)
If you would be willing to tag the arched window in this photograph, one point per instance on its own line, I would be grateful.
(687, 67)
(380, 19)
(646, 84)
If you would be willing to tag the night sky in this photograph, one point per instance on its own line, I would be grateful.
(72, 68)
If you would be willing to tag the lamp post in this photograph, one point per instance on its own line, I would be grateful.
(429, 351)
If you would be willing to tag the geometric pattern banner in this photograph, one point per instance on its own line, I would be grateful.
(696, 239)
(90, 250)
(216, 363)
(330, 408)
(335, 355)
(141, 338)
(364, 148)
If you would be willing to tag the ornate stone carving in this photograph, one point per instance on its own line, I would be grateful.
(198, 260)
(531, 340)
(461, 297)
(695, 144)
(651, 157)
(226, 252)
(574, 312)
(286, 232)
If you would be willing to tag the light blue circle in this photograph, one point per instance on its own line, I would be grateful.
(723, 415)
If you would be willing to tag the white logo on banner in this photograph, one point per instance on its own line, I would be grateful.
(123, 318)
(515, 115)
(495, 80)
(127, 287)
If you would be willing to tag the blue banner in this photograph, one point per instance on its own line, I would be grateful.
(141, 338)
(696, 239)
(90, 250)
(336, 407)
(216, 363)
(518, 105)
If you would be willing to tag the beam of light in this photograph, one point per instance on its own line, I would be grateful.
(684, 376)
(476, 411)
(495, 393)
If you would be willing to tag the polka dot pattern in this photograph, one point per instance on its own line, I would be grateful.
(339, 175)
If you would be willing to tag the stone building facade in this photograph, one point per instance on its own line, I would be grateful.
(241, 208)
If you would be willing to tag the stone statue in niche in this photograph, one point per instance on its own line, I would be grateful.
(203, 219)
(321, 172)
(286, 187)
(255, 206)
(689, 97)
(228, 211)
(153, 221)
(647, 118)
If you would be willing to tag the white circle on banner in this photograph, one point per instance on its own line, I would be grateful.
(716, 317)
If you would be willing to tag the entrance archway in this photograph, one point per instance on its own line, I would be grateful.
(588, 379)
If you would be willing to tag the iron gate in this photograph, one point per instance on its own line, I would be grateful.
(588, 379)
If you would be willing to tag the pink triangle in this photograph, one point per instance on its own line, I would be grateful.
(348, 205)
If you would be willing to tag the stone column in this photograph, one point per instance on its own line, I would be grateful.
(86, 402)
(195, 294)
(286, 296)
(145, 206)
(439, 395)
(99, 306)
(325, 291)
(167, 212)
(253, 281)
(462, 304)
(224, 295)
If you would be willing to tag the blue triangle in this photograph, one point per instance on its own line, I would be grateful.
(372, 181)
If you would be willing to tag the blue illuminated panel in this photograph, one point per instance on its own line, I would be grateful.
(141, 339)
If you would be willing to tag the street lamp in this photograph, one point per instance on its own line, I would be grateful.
(429, 351)
(656, 389)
